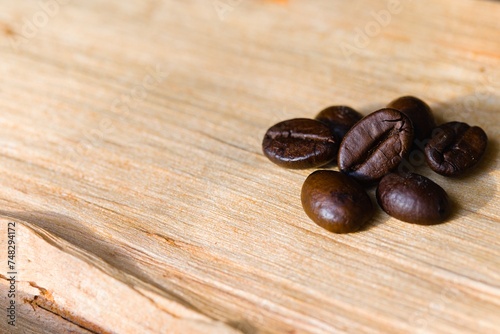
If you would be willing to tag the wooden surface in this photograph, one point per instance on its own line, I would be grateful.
(130, 160)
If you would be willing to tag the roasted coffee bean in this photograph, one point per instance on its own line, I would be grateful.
(418, 112)
(413, 198)
(340, 119)
(300, 143)
(455, 147)
(375, 145)
(335, 201)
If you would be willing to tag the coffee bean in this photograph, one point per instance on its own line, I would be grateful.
(340, 119)
(375, 145)
(455, 147)
(300, 143)
(418, 112)
(413, 198)
(335, 201)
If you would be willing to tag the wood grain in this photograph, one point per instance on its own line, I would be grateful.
(131, 164)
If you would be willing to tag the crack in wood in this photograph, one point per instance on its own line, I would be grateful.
(46, 302)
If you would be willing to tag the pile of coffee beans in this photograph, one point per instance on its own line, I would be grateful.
(368, 151)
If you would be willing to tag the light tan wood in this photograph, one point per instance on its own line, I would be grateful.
(130, 161)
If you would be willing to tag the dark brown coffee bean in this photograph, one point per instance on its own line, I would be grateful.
(300, 143)
(375, 145)
(455, 147)
(340, 119)
(413, 198)
(335, 202)
(418, 112)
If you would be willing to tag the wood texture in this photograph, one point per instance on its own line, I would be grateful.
(130, 160)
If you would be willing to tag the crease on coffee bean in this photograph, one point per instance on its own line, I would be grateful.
(394, 121)
(305, 136)
(315, 148)
(453, 166)
(378, 142)
(446, 163)
(310, 137)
